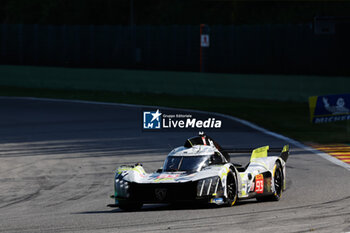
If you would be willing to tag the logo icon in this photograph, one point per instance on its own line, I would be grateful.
(337, 109)
(151, 120)
(160, 193)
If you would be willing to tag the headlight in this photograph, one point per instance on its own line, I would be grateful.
(208, 186)
(121, 188)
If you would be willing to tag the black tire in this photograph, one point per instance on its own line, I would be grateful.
(278, 183)
(231, 189)
(129, 206)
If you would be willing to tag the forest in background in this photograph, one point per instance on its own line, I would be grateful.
(165, 12)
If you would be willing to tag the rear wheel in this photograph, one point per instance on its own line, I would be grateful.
(231, 189)
(129, 206)
(278, 183)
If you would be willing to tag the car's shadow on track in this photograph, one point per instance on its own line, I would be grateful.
(166, 207)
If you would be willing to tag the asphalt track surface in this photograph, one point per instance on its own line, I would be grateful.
(56, 174)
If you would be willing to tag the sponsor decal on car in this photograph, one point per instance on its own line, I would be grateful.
(259, 183)
(217, 200)
(252, 187)
(166, 177)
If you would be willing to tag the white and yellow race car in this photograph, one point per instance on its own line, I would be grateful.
(201, 171)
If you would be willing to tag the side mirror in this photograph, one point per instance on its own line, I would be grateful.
(206, 164)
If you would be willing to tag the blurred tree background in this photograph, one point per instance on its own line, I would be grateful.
(165, 12)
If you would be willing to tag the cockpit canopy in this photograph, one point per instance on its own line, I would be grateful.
(185, 163)
(181, 161)
(203, 139)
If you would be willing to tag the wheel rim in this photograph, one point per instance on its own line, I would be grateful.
(278, 181)
(231, 188)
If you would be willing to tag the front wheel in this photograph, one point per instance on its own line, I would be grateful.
(231, 189)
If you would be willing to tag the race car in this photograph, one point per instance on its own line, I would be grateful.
(201, 171)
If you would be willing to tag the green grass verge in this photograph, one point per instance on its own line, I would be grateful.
(244, 86)
(288, 118)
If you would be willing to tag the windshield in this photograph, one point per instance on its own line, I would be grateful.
(184, 163)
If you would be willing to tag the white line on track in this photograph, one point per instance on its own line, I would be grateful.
(244, 122)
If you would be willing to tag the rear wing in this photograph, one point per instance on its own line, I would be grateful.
(260, 152)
